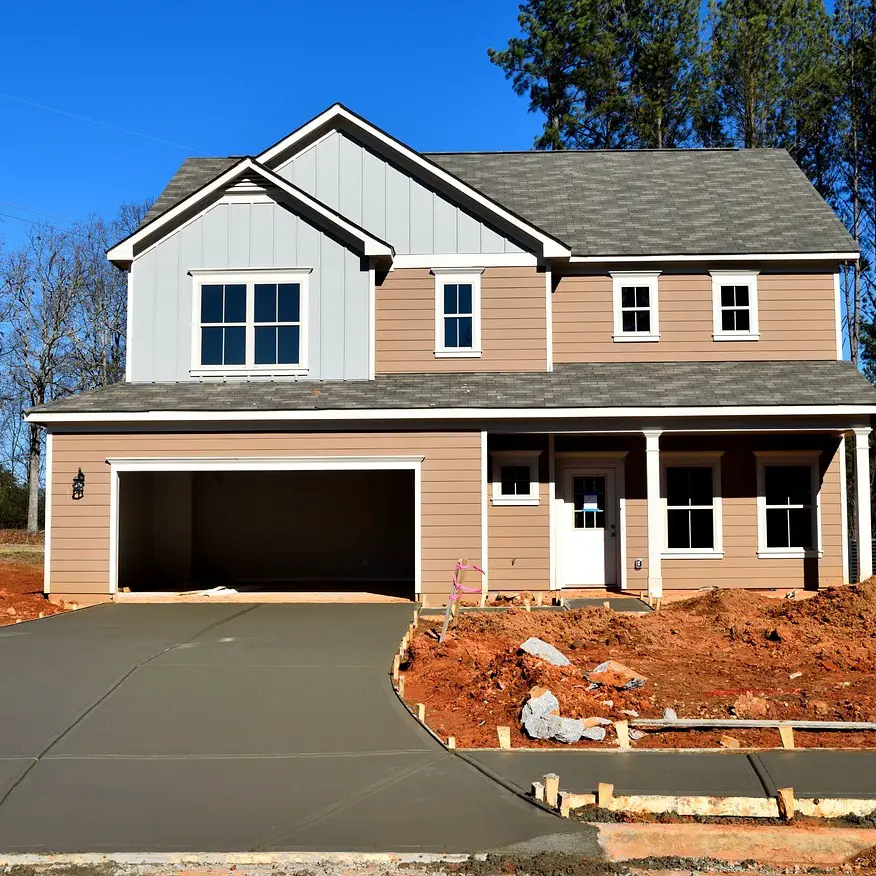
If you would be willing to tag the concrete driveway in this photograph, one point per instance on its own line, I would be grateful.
(234, 728)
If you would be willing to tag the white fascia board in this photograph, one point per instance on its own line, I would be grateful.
(419, 414)
(721, 257)
(551, 248)
(123, 252)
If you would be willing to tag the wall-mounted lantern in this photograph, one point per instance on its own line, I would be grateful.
(79, 485)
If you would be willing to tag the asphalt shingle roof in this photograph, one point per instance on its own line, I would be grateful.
(592, 385)
(660, 202)
(634, 203)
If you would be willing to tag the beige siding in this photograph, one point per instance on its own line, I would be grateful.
(796, 312)
(451, 491)
(513, 322)
(740, 565)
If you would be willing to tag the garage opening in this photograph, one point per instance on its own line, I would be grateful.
(267, 531)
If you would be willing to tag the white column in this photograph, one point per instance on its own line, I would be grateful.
(862, 501)
(655, 511)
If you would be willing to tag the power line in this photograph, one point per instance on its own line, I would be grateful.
(62, 112)
(32, 210)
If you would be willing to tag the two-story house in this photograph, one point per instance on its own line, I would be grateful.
(351, 364)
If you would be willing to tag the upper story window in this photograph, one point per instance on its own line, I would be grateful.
(250, 322)
(458, 313)
(734, 306)
(636, 315)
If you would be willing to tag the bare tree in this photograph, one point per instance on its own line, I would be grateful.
(39, 286)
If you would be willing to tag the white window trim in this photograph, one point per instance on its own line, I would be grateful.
(249, 277)
(638, 278)
(458, 275)
(695, 459)
(515, 457)
(735, 278)
(791, 457)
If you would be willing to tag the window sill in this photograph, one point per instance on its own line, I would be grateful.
(789, 554)
(457, 354)
(630, 339)
(692, 555)
(736, 336)
(248, 373)
(515, 500)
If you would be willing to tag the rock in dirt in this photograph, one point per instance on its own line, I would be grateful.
(750, 706)
(616, 675)
(565, 730)
(541, 704)
(670, 715)
(819, 708)
(544, 651)
(595, 722)
(730, 742)
(11, 612)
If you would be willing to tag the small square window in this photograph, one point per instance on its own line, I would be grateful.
(515, 478)
(734, 300)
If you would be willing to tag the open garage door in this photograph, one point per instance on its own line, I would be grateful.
(267, 531)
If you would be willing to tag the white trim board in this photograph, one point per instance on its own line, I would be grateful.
(337, 115)
(47, 545)
(620, 258)
(419, 414)
(122, 254)
(120, 465)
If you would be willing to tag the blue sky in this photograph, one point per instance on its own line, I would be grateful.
(230, 78)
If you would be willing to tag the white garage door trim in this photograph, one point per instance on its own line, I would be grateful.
(286, 463)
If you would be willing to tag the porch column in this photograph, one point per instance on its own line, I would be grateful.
(655, 511)
(862, 503)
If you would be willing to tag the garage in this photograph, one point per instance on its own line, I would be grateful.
(338, 527)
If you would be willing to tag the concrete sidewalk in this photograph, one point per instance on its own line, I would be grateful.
(811, 773)
(273, 727)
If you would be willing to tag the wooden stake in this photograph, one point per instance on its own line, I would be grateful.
(606, 604)
(538, 791)
(504, 734)
(401, 686)
(416, 618)
(622, 728)
(551, 789)
(451, 742)
(539, 598)
(396, 662)
(565, 803)
(604, 795)
(657, 605)
(785, 799)
(421, 712)
(787, 734)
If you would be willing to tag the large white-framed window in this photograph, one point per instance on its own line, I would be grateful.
(457, 313)
(515, 477)
(250, 322)
(788, 504)
(691, 491)
(734, 306)
(634, 299)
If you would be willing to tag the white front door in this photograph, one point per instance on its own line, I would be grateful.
(588, 529)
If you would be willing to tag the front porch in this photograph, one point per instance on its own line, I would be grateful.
(654, 511)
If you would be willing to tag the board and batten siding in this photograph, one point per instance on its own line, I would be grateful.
(797, 314)
(513, 323)
(367, 189)
(248, 235)
(80, 543)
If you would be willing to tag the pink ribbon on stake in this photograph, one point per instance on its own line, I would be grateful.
(459, 588)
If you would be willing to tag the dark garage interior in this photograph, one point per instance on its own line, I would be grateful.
(267, 531)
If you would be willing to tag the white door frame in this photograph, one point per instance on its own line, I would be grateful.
(287, 463)
(613, 460)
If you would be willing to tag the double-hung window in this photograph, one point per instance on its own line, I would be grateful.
(788, 524)
(458, 313)
(250, 322)
(734, 306)
(692, 495)
(515, 477)
(636, 316)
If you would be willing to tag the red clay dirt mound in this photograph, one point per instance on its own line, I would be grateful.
(699, 656)
(21, 593)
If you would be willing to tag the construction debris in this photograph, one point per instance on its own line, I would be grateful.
(541, 720)
(544, 651)
(616, 675)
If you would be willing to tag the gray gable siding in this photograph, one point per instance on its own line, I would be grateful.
(244, 235)
(370, 191)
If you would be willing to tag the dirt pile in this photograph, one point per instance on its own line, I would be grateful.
(21, 593)
(805, 660)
